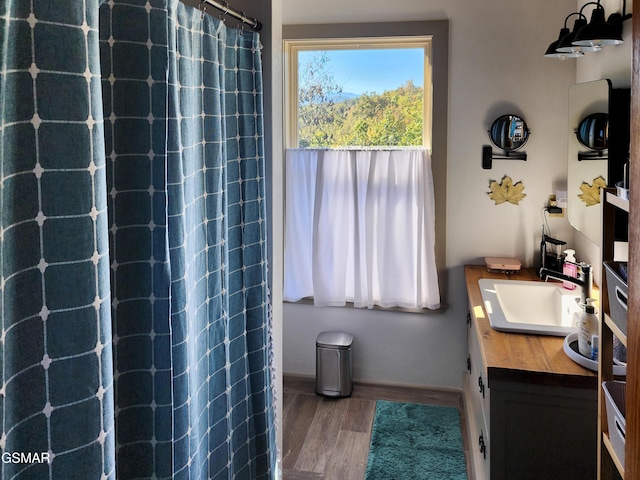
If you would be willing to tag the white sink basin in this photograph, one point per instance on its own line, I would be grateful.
(543, 308)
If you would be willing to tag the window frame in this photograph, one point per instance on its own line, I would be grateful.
(438, 30)
(293, 47)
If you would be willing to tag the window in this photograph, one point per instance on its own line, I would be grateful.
(359, 92)
(360, 218)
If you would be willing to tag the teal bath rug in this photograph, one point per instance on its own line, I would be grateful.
(417, 442)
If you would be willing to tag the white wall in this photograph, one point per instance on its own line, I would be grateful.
(496, 66)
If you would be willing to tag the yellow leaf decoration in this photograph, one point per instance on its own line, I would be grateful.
(591, 193)
(506, 191)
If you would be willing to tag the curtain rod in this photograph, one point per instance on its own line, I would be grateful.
(227, 10)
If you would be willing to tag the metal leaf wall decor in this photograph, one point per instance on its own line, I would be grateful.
(506, 191)
(591, 193)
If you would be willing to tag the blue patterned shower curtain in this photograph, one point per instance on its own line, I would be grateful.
(135, 317)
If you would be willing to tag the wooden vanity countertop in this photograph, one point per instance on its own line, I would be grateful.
(519, 357)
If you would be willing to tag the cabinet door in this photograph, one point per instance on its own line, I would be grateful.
(542, 432)
(477, 401)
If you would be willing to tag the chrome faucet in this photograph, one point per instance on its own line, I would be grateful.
(584, 280)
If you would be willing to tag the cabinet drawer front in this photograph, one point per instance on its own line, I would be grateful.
(479, 385)
(477, 429)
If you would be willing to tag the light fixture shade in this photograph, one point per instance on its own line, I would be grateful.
(552, 51)
(566, 43)
(598, 32)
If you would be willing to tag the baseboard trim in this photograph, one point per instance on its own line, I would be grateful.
(300, 377)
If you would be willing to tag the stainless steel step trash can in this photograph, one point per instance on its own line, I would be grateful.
(334, 364)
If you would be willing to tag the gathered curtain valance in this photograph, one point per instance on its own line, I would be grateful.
(360, 227)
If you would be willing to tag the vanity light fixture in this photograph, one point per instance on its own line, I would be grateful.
(565, 45)
(600, 32)
(588, 37)
(553, 52)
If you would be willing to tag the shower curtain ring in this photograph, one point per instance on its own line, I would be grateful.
(202, 9)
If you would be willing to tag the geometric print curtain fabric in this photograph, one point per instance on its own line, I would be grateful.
(56, 392)
(135, 327)
(183, 123)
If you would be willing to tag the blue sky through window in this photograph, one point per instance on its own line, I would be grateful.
(373, 70)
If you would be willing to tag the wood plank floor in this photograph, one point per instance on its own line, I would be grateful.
(328, 438)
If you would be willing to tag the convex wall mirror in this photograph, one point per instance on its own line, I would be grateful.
(593, 134)
(598, 147)
(508, 133)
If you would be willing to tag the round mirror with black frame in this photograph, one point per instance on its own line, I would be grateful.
(593, 134)
(509, 133)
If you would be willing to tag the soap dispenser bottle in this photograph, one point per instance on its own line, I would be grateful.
(570, 268)
(588, 331)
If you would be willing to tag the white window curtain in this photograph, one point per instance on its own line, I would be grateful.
(360, 227)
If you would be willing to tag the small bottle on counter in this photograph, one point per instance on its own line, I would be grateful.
(570, 268)
(587, 330)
